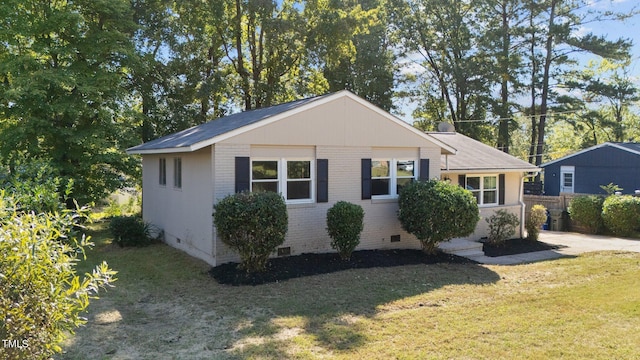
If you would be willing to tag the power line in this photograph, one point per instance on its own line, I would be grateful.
(513, 118)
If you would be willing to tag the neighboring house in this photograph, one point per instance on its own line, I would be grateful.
(494, 177)
(584, 171)
(315, 152)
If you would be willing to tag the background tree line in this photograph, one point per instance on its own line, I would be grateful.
(81, 81)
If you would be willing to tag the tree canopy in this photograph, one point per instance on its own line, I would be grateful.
(81, 81)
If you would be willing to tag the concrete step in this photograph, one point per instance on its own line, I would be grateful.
(462, 247)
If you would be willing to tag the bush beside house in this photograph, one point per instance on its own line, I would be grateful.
(254, 224)
(621, 214)
(502, 226)
(344, 225)
(587, 211)
(537, 217)
(436, 211)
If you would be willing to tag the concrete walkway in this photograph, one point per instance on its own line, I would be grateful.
(571, 244)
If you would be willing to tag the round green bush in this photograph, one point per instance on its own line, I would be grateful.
(130, 231)
(253, 224)
(436, 211)
(621, 214)
(537, 217)
(344, 225)
(587, 211)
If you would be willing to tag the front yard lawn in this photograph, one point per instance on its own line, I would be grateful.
(166, 305)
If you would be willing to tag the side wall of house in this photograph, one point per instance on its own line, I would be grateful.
(182, 213)
(512, 190)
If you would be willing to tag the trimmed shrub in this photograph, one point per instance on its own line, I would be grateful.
(253, 224)
(537, 217)
(436, 211)
(587, 211)
(502, 226)
(130, 231)
(621, 214)
(344, 225)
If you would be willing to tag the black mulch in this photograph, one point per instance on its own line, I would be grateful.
(516, 246)
(284, 268)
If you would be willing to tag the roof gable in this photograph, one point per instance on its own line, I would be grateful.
(230, 126)
(633, 148)
(475, 156)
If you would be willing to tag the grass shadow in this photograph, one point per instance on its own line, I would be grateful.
(168, 305)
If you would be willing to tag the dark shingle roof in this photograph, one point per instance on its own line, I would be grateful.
(475, 156)
(211, 129)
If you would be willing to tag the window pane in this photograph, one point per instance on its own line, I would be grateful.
(380, 187)
(490, 182)
(298, 190)
(299, 169)
(264, 170)
(402, 183)
(490, 197)
(405, 168)
(177, 172)
(380, 168)
(568, 180)
(476, 194)
(473, 183)
(265, 186)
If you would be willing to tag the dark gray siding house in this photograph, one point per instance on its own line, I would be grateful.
(584, 171)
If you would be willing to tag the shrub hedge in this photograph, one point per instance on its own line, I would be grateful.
(130, 231)
(621, 214)
(537, 217)
(254, 224)
(502, 226)
(344, 225)
(587, 210)
(436, 211)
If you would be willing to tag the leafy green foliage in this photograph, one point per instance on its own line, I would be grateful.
(253, 224)
(621, 214)
(611, 188)
(344, 224)
(587, 210)
(42, 297)
(130, 231)
(536, 218)
(436, 211)
(62, 90)
(502, 226)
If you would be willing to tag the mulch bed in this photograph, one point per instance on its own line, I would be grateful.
(516, 246)
(284, 268)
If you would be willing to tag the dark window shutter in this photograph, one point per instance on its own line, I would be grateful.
(424, 169)
(366, 178)
(501, 189)
(462, 181)
(243, 168)
(322, 180)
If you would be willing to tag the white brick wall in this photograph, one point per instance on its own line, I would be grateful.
(307, 222)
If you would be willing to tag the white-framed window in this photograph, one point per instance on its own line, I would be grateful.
(162, 171)
(292, 177)
(388, 176)
(484, 188)
(177, 173)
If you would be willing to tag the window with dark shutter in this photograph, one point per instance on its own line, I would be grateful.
(501, 186)
(424, 169)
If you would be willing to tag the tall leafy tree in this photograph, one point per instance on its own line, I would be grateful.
(445, 35)
(63, 67)
(560, 38)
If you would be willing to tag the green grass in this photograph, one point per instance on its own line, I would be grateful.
(165, 305)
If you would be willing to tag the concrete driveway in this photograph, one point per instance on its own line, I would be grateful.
(571, 244)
